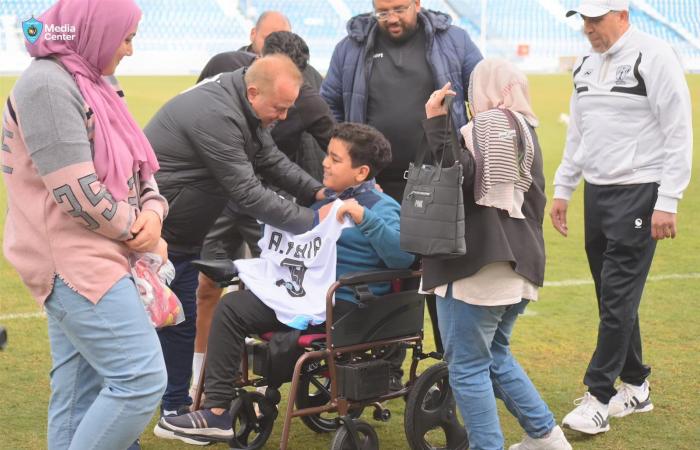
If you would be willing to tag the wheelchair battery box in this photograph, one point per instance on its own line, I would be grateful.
(258, 357)
(363, 380)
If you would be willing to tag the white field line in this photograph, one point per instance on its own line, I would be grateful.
(670, 276)
(33, 315)
(562, 283)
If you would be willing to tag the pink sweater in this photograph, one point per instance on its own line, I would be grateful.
(61, 220)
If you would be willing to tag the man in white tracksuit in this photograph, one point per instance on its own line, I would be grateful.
(630, 137)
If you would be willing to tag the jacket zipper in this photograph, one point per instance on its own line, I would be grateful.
(604, 70)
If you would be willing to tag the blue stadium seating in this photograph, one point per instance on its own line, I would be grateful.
(202, 26)
(684, 12)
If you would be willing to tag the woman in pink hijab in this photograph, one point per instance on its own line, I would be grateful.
(81, 194)
(481, 294)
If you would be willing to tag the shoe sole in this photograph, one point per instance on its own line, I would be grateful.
(591, 431)
(214, 433)
(168, 434)
(627, 412)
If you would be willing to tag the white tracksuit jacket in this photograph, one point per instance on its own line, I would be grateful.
(630, 120)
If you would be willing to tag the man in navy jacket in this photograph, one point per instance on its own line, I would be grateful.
(385, 69)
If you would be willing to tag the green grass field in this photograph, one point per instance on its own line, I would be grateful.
(553, 341)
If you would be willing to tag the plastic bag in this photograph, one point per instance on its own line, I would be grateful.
(152, 279)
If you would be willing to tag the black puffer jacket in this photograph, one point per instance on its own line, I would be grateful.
(211, 147)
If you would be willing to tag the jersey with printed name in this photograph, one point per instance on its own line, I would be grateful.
(293, 272)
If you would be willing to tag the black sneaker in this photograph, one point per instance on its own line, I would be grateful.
(202, 423)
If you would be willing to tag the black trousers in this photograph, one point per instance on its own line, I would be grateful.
(620, 249)
(229, 234)
(238, 314)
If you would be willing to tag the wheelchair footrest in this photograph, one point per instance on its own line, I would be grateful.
(363, 380)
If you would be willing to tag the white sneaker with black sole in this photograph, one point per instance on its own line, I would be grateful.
(164, 433)
(555, 440)
(590, 416)
(630, 399)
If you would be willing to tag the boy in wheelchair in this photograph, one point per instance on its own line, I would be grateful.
(356, 154)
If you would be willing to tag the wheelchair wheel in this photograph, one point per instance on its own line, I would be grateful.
(252, 429)
(367, 437)
(315, 390)
(431, 421)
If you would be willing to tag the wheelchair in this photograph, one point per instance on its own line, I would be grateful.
(341, 371)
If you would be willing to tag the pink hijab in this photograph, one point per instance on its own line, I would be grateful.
(497, 83)
(120, 147)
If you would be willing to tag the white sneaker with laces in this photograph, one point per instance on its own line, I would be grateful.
(630, 399)
(590, 416)
(554, 441)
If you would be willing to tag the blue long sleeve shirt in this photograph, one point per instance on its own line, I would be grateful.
(373, 244)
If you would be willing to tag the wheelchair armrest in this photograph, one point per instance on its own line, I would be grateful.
(375, 276)
(219, 270)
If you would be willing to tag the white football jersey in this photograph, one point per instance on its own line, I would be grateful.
(294, 272)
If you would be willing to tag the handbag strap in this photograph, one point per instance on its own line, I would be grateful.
(137, 188)
(515, 124)
(451, 139)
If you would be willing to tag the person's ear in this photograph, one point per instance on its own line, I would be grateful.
(252, 92)
(362, 173)
(252, 35)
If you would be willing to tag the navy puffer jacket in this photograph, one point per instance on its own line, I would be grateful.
(450, 52)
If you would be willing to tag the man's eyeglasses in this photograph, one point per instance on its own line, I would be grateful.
(384, 15)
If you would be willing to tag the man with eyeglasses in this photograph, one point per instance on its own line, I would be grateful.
(385, 69)
(630, 138)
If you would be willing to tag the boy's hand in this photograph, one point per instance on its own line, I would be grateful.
(324, 210)
(320, 195)
(353, 209)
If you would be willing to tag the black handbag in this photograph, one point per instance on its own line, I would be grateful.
(432, 209)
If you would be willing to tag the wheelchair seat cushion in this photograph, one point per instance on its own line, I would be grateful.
(304, 341)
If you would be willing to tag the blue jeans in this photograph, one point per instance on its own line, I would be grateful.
(481, 368)
(108, 372)
(177, 341)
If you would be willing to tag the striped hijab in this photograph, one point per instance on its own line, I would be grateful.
(499, 135)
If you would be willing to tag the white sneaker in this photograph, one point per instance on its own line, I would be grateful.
(164, 433)
(554, 441)
(590, 416)
(630, 399)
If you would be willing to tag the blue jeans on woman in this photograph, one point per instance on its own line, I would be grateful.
(481, 368)
(108, 372)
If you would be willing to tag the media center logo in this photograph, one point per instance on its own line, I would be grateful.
(33, 30)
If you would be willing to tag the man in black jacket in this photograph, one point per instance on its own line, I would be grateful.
(212, 142)
(310, 117)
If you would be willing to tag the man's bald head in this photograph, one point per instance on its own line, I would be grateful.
(267, 70)
(268, 22)
(272, 86)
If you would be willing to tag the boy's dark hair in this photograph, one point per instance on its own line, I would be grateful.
(290, 44)
(366, 146)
